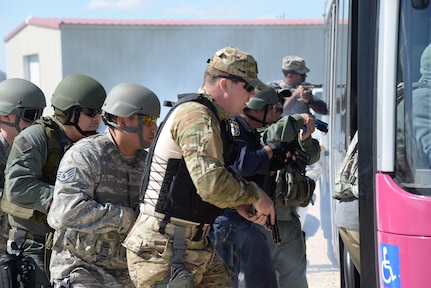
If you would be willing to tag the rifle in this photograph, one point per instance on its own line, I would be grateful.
(301, 158)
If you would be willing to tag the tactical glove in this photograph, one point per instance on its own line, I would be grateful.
(279, 159)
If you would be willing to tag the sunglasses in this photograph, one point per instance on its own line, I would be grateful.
(91, 112)
(281, 100)
(249, 88)
(149, 120)
(30, 115)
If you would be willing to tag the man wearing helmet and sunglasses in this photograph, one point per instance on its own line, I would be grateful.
(21, 103)
(32, 167)
(97, 192)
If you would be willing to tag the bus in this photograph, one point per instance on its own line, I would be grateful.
(377, 82)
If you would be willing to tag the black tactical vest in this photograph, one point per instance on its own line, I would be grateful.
(178, 197)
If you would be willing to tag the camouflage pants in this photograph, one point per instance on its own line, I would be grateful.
(67, 268)
(151, 263)
(94, 277)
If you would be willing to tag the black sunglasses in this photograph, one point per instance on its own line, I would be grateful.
(281, 100)
(30, 115)
(91, 112)
(249, 88)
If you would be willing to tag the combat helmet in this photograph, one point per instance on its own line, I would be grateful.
(263, 98)
(74, 93)
(128, 99)
(21, 98)
(78, 90)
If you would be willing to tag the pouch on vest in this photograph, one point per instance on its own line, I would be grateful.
(293, 188)
(346, 181)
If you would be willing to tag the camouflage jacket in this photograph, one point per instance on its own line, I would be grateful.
(95, 196)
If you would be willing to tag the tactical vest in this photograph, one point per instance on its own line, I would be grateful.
(253, 142)
(178, 196)
(57, 145)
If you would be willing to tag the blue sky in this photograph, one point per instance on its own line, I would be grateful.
(14, 12)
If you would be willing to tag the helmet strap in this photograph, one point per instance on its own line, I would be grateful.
(77, 113)
(13, 124)
(263, 122)
(138, 130)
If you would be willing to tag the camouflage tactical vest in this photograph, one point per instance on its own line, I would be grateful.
(346, 181)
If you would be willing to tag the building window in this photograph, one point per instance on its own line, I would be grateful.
(31, 68)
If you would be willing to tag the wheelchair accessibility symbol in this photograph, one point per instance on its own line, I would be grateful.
(390, 266)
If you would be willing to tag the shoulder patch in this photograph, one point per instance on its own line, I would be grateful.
(23, 144)
(66, 176)
(234, 128)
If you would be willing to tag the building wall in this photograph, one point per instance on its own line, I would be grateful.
(171, 59)
(168, 59)
(45, 43)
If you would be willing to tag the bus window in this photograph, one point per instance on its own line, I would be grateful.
(413, 110)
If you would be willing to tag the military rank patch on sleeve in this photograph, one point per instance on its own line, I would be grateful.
(66, 176)
(234, 128)
(23, 145)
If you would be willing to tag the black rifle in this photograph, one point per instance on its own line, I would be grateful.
(301, 158)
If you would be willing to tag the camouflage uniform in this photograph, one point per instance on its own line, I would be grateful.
(289, 257)
(4, 223)
(296, 65)
(95, 196)
(192, 131)
(300, 106)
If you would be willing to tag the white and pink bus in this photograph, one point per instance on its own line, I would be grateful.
(378, 81)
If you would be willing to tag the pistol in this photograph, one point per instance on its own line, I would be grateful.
(311, 86)
(274, 230)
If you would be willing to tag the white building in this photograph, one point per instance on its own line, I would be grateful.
(169, 57)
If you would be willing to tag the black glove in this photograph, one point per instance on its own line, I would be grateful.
(278, 160)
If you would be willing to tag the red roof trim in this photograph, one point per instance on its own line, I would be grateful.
(54, 23)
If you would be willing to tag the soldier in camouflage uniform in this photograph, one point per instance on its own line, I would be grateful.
(187, 183)
(302, 99)
(21, 103)
(32, 166)
(97, 193)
